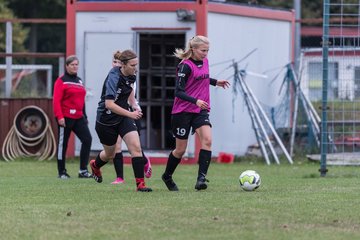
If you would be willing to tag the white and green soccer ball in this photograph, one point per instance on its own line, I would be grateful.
(249, 180)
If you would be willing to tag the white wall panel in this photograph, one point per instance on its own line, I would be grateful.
(272, 41)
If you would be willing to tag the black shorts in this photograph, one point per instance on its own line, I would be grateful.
(108, 134)
(138, 125)
(182, 123)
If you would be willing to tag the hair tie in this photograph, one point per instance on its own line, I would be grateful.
(125, 60)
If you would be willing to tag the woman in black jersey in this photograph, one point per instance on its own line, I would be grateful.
(113, 118)
(118, 159)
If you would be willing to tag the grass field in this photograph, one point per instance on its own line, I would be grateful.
(293, 202)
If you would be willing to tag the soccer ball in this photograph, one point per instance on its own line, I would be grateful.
(249, 180)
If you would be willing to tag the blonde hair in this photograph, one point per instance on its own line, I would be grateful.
(194, 42)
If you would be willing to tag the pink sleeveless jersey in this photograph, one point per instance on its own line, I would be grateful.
(197, 86)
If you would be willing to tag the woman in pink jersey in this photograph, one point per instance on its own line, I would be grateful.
(191, 109)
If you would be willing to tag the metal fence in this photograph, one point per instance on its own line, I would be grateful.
(330, 78)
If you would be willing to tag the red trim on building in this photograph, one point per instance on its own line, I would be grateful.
(201, 29)
(253, 12)
(318, 31)
(335, 53)
(140, 6)
(70, 49)
(201, 17)
(70, 27)
(159, 29)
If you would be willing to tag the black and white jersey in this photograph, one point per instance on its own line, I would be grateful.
(116, 87)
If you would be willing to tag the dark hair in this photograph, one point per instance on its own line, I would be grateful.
(127, 55)
(70, 59)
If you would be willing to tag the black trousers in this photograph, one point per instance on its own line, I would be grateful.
(81, 129)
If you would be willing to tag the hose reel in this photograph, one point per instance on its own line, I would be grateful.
(30, 136)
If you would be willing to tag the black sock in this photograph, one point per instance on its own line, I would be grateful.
(61, 166)
(171, 165)
(98, 162)
(119, 165)
(145, 158)
(138, 164)
(204, 162)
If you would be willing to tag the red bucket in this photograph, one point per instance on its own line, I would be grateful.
(225, 157)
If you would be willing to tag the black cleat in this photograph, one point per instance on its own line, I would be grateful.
(85, 174)
(201, 184)
(169, 182)
(146, 189)
(64, 175)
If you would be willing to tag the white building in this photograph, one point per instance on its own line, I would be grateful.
(95, 29)
(343, 73)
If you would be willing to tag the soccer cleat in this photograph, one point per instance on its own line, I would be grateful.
(118, 181)
(147, 168)
(96, 172)
(142, 188)
(64, 175)
(201, 184)
(85, 174)
(169, 182)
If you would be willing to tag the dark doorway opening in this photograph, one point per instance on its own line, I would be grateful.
(156, 87)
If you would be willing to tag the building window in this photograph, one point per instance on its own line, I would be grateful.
(315, 70)
(357, 81)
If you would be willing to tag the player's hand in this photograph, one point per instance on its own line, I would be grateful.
(223, 83)
(61, 122)
(136, 107)
(136, 114)
(202, 104)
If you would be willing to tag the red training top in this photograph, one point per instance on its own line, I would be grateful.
(69, 97)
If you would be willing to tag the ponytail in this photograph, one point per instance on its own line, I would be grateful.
(194, 42)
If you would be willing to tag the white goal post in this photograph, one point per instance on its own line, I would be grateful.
(47, 68)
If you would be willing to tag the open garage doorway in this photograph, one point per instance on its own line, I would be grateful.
(156, 87)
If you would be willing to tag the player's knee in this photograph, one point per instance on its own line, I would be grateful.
(108, 155)
(178, 153)
(206, 143)
(136, 151)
